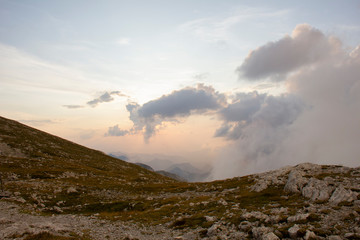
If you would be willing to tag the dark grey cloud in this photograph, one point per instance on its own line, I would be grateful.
(169, 108)
(105, 97)
(305, 46)
(182, 103)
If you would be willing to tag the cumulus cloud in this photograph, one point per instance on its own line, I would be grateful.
(105, 97)
(305, 46)
(249, 110)
(317, 120)
(169, 108)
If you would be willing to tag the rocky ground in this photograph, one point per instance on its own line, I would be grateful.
(329, 208)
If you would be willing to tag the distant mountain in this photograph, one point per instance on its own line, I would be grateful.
(171, 175)
(122, 157)
(145, 166)
(189, 172)
(162, 172)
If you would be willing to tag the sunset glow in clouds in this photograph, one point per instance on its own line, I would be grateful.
(240, 86)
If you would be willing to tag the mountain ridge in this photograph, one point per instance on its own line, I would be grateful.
(60, 190)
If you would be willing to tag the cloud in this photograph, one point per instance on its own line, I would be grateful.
(317, 120)
(116, 131)
(305, 46)
(105, 97)
(169, 108)
(73, 106)
(249, 110)
(220, 30)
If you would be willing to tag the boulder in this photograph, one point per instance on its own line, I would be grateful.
(317, 190)
(295, 181)
(342, 195)
(293, 231)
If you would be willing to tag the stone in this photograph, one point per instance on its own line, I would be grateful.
(71, 190)
(295, 182)
(342, 195)
(212, 231)
(259, 232)
(317, 190)
(258, 215)
(210, 218)
(245, 226)
(334, 237)
(270, 236)
(309, 235)
(293, 231)
(298, 217)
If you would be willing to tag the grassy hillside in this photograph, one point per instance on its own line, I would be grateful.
(49, 175)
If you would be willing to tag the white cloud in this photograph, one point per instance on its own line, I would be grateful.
(305, 46)
(316, 121)
(218, 30)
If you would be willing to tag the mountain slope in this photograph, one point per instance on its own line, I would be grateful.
(102, 196)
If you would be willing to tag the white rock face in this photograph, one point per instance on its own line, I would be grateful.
(316, 189)
(342, 195)
(295, 181)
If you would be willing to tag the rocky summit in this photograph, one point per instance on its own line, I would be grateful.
(55, 189)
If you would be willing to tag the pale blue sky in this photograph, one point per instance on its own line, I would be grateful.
(67, 53)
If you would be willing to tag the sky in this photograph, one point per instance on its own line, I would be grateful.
(241, 86)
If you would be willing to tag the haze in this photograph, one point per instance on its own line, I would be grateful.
(240, 86)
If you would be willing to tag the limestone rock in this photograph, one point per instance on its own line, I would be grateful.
(298, 217)
(295, 181)
(270, 236)
(258, 215)
(71, 190)
(309, 235)
(342, 195)
(293, 231)
(245, 226)
(259, 232)
(316, 189)
(334, 237)
(212, 231)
